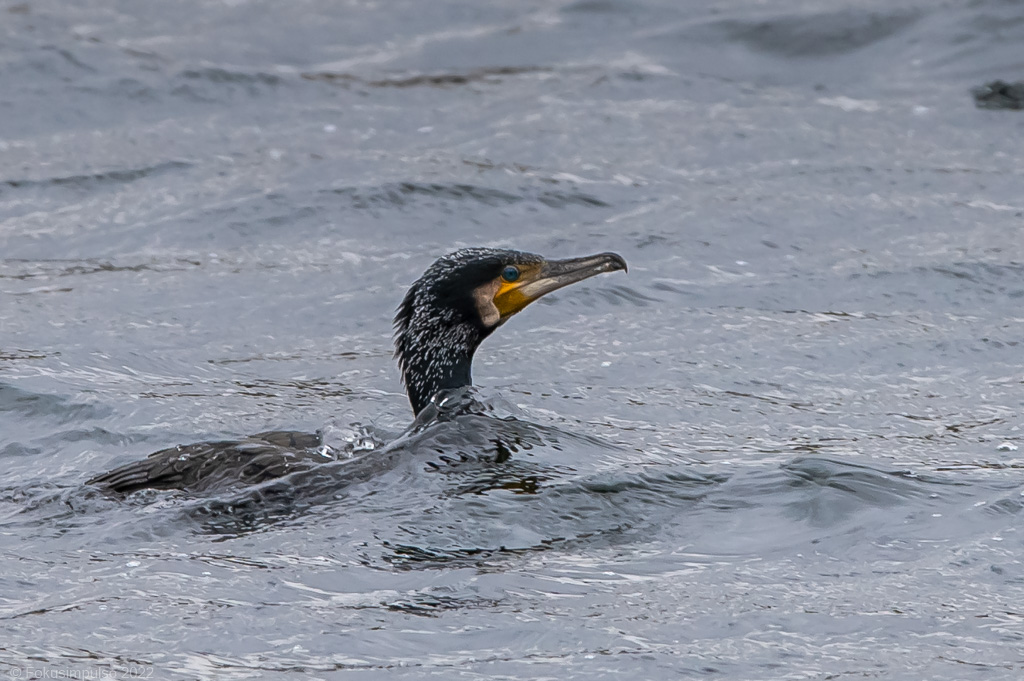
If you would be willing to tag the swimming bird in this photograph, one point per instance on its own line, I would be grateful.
(457, 303)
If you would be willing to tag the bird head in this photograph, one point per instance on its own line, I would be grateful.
(462, 298)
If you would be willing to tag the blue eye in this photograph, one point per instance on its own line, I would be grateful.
(510, 273)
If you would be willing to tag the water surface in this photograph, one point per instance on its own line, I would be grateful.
(784, 446)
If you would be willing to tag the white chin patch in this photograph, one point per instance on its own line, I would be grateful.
(485, 307)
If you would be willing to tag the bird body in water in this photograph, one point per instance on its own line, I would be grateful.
(459, 301)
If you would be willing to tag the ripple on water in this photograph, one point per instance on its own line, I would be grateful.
(55, 408)
(471, 480)
(404, 194)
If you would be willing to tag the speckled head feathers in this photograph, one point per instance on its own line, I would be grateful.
(461, 299)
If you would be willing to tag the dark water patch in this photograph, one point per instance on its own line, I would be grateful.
(314, 389)
(402, 194)
(93, 181)
(211, 84)
(838, 314)
(818, 46)
(999, 95)
(411, 557)
(604, 7)
(486, 164)
(232, 562)
(874, 487)
(554, 199)
(670, 286)
(434, 605)
(19, 449)
(1008, 506)
(297, 392)
(216, 74)
(290, 357)
(961, 425)
(43, 444)
(43, 60)
(490, 75)
(660, 485)
(812, 35)
(23, 269)
(981, 272)
(69, 57)
(406, 194)
(15, 402)
(20, 355)
(101, 436)
(816, 491)
(775, 400)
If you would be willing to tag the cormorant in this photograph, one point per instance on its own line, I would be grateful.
(444, 317)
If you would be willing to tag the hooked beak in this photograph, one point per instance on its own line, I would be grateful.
(551, 276)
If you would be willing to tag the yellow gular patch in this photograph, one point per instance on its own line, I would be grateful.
(509, 297)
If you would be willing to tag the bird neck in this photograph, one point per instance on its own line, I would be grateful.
(436, 361)
(436, 372)
(434, 347)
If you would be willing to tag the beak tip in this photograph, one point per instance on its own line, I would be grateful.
(617, 262)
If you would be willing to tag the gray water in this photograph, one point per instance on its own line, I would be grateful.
(783, 446)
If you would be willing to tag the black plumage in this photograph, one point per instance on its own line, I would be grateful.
(438, 326)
